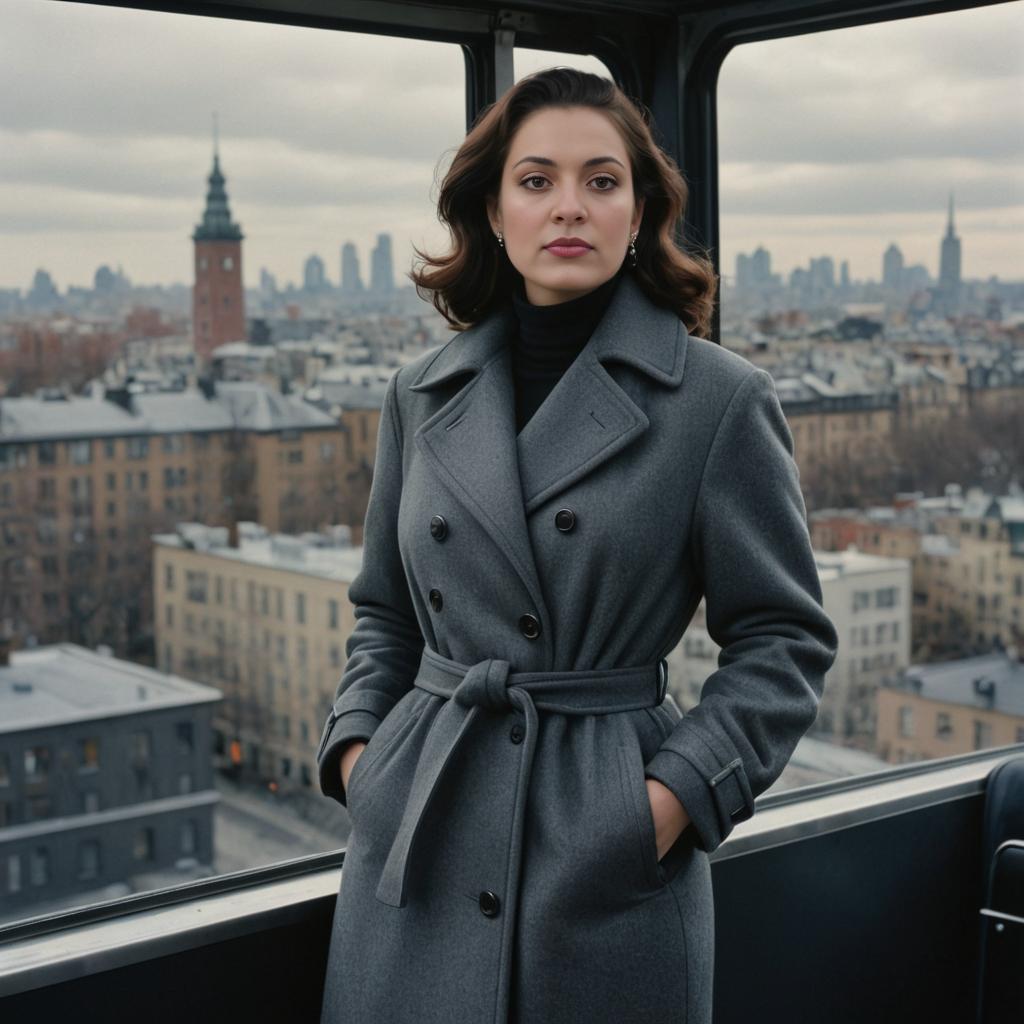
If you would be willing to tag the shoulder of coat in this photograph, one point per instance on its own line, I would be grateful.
(718, 365)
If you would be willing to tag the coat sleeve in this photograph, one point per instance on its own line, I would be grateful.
(383, 651)
(764, 609)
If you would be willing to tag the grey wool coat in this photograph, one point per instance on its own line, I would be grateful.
(516, 597)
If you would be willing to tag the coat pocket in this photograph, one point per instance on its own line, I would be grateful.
(395, 725)
(634, 790)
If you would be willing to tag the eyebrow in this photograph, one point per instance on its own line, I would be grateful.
(586, 163)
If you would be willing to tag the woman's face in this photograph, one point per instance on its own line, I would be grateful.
(567, 175)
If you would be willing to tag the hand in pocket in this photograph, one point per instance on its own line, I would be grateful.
(349, 756)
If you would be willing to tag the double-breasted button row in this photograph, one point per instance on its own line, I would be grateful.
(565, 520)
(529, 626)
(489, 903)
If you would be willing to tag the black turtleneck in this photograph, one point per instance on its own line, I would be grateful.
(549, 340)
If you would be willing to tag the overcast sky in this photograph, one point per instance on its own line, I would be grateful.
(838, 143)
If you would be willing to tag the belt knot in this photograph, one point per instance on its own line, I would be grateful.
(485, 685)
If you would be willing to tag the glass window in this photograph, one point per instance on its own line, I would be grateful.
(89, 859)
(300, 608)
(89, 754)
(332, 614)
(189, 838)
(39, 867)
(360, 178)
(37, 763)
(13, 872)
(142, 847)
(186, 737)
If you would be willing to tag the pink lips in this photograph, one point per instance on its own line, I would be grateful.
(568, 250)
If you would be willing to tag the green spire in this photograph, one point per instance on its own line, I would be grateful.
(217, 225)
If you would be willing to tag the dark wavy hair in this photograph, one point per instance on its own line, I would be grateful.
(476, 276)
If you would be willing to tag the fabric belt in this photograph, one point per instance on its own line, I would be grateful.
(490, 685)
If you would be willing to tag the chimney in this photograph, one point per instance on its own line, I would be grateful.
(206, 384)
(122, 397)
(233, 533)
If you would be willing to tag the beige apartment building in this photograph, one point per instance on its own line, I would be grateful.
(265, 621)
(85, 482)
(952, 707)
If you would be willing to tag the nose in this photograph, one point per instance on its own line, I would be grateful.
(568, 204)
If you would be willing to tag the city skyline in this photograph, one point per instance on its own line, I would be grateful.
(95, 177)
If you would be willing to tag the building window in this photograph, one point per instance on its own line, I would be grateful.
(186, 737)
(5, 769)
(142, 847)
(185, 783)
(335, 656)
(39, 867)
(89, 754)
(282, 648)
(279, 603)
(295, 455)
(80, 452)
(89, 859)
(90, 801)
(943, 725)
(982, 735)
(300, 609)
(109, 449)
(861, 599)
(326, 451)
(227, 263)
(195, 586)
(38, 807)
(137, 447)
(189, 837)
(885, 597)
(168, 577)
(218, 589)
(906, 721)
(332, 614)
(302, 650)
(169, 615)
(264, 601)
(37, 763)
(46, 453)
(13, 872)
(141, 748)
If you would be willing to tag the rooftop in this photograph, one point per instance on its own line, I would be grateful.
(330, 556)
(64, 683)
(852, 562)
(991, 682)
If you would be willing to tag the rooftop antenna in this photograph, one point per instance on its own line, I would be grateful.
(215, 134)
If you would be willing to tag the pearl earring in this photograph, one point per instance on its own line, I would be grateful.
(632, 248)
(501, 240)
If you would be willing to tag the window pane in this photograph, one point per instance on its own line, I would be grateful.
(329, 209)
(870, 223)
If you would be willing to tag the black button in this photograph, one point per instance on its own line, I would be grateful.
(565, 519)
(517, 733)
(530, 626)
(489, 903)
(438, 527)
(436, 600)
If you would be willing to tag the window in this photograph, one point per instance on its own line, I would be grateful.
(149, 440)
(5, 769)
(906, 721)
(332, 613)
(39, 867)
(37, 763)
(943, 725)
(90, 801)
(300, 608)
(89, 859)
(186, 737)
(189, 838)
(89, 754)
(80, 452)
(982, 735)
(861, 600)
(13, 872)
(142, 847)
(46, 453)
(185, 783)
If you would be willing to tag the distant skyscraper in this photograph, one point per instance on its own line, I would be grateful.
(268, 283)
(218, 304)
(761, 265)
(313, 276)
(949, 265)
(754, 270)
(351, 284)
(382, 275)
(844, 274)
(892, 267)
(43, 291)
(823, 273)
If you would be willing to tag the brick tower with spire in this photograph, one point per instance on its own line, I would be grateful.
(218, 302)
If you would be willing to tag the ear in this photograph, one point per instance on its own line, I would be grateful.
(637, 216)
(492, 213)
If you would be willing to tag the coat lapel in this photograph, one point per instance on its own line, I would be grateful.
(585, 420)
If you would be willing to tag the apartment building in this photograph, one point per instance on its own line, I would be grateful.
(104, 773)
(85, 482)
(952, 707)
(868, 597)
(264, 618)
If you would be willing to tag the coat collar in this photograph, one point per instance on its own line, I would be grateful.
(586, 419)
(633, 330)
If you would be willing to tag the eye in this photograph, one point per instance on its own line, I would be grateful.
(606, 177)
(532, 177)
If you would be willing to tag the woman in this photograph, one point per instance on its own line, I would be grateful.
(555, 490)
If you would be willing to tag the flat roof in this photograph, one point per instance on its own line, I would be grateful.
(61, 684)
